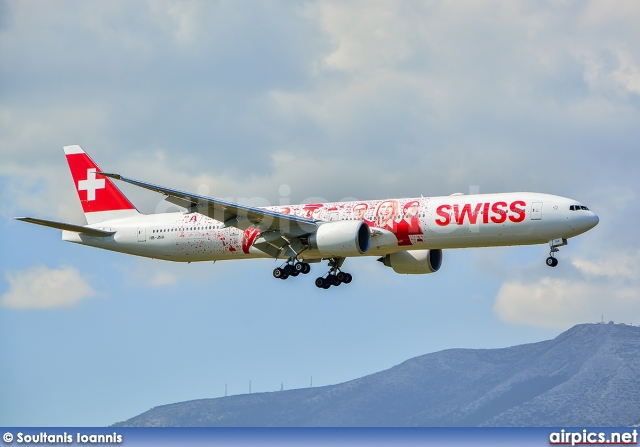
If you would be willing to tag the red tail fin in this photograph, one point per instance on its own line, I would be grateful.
(101, 200)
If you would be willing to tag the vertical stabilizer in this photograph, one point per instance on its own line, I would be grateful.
(101, 200)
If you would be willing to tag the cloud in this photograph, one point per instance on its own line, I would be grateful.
(181, 20)
(40, 287)
(167, 275)
(161, 278)
(392, 98)
(608, 286)
(628, 73)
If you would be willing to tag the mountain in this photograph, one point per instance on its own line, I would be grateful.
(587, 376)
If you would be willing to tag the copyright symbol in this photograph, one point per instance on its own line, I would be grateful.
(7, 437)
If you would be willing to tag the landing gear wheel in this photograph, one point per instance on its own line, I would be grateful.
(320, 283)
(279, 273)
(333, 280)
(341, 276)
(299, 267)
(552, 262)
(306, 268)
(347, 278)
(294, 273)
(288, 269)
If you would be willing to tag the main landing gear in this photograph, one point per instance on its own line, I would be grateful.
(291, 268)
(333, 279)
(554, 244)
(334, 276)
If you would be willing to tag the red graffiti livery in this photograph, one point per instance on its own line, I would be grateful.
(496, 212)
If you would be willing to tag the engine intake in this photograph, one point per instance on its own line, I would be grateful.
(342, 238)
(414, 262)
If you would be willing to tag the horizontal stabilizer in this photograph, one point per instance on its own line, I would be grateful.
(68, 227)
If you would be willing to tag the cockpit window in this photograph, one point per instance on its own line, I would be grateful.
(578, 208)
(584, 208)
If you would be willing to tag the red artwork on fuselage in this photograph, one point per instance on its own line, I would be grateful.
(404, 225)
(410, 224)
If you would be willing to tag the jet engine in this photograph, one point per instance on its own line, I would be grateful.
(342, 238)
(414, 261)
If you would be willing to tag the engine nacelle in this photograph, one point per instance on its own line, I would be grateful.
(414, 261)
(342, 238)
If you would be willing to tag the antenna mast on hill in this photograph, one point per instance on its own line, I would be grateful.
(311, 386)
(249, 386)
(225, 390)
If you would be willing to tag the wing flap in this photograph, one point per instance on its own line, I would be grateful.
(67, 226)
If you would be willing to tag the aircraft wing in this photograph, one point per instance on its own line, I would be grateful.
(68, 227)
(230, 213)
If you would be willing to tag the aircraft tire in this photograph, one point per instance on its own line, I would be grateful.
(347, 278)
(320, 282)
(306, 268)
(552, 262)
(288, 269)
(333, 280)
(299, 267)
(278, 272)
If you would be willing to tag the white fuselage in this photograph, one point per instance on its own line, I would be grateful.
(458, 221)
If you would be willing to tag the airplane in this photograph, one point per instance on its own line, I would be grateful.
(408, 235)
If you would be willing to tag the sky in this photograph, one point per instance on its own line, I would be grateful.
(276, 102)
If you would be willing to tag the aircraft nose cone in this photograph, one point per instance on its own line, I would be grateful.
(582, 221)
(585, 222)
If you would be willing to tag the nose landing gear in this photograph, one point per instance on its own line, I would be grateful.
(554, 244)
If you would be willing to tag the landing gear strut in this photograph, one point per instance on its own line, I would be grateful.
(334, 276)
(554, 244)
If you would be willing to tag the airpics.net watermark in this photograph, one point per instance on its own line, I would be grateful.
(44, 438)
(586, 437)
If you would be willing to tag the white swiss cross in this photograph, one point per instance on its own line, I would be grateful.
(91, 184)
